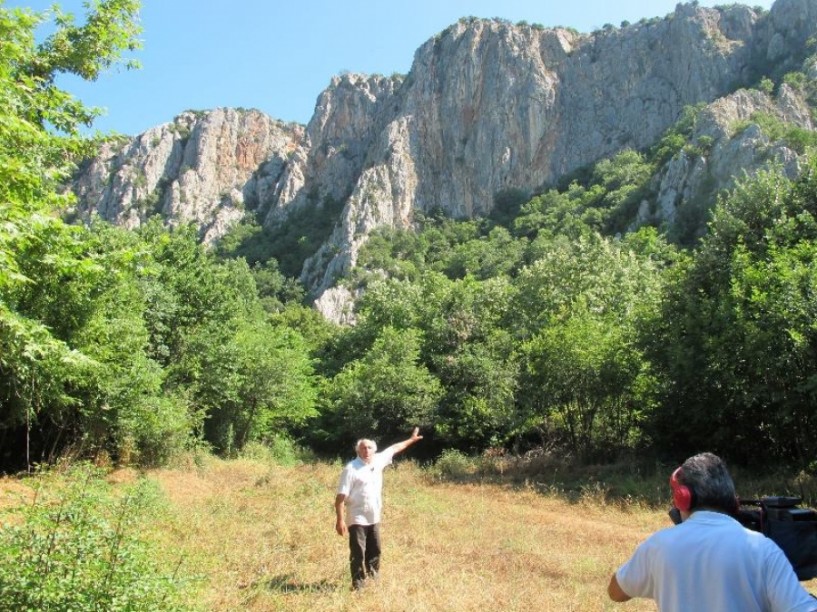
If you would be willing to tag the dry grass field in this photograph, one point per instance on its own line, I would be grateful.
(257, 536)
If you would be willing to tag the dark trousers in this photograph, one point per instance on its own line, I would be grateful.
(364, 552)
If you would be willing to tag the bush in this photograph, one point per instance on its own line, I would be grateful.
(77, 548)
(278, 450)
(454, 464)
(766, 85)
(156, 432)
(796, 138)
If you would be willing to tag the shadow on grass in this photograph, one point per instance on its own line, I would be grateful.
(287, 584)
(625, 482)
(642, 482)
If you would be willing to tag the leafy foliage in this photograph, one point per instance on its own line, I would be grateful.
(585, 304)
(548, 323)
(796, 138)
(290, 242)
(78, 548)
(110, 341)
(49, 278)
(242, 375)
(606, 204)
(388, 390)
(740, 324)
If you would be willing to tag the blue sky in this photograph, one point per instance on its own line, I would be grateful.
(278, 56)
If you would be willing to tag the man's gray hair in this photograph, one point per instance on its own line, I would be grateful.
(707, 476)
(367, 442)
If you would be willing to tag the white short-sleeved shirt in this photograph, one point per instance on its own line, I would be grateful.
(362, 484)
(711, 562)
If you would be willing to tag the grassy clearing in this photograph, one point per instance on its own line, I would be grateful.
(258, 536)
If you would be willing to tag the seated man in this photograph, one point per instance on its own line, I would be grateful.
(710, 561)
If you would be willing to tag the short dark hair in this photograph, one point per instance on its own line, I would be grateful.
(707, 476)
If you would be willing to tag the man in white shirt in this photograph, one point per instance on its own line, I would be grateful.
(360, 499)
(710, 561)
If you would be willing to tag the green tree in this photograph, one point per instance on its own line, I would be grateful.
(39, 146)
(737, 331)
(244, 378)
(478, 409)
(385, 392)
(587, 381)
(486, 257)
(578, 311)
(122, 408)
(255, 385)
(605, 201)
(473, 355)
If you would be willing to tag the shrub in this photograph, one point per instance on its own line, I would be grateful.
(77, 548)
(278, 450)
(454, 464)
(796, 138)
(766, 85)
(796, 80)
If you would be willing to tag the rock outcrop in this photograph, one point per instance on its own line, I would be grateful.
(734, 147)
(487, 106)
(205, 167)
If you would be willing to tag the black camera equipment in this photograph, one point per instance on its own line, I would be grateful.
(793, 528)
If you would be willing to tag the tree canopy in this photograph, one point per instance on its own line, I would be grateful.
(550, 323)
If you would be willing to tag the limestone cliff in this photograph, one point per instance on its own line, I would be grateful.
(487, 106)
(206, 168)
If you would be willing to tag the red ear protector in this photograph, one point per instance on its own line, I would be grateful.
(682, 495)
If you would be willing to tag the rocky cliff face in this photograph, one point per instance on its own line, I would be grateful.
(736, 147)
(205, 168)
(487, 106)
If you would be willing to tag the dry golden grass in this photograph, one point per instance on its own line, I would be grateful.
(261, 537)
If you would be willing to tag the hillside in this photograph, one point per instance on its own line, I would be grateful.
(488, 107)
(622, 305)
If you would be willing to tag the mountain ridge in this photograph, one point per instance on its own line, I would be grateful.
(487, 106)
